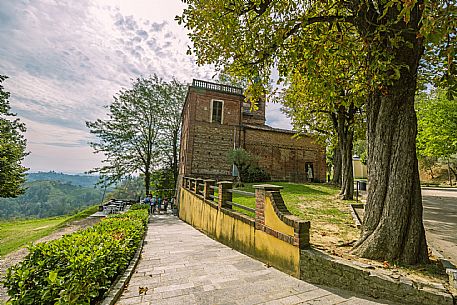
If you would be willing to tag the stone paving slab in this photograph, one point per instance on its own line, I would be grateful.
(180, 265)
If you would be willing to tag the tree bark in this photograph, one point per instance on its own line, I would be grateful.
(392, 227)
(345, 143)
(336, 179)
(449, 171)
(454, 172)
(147, 181)
(347, 184)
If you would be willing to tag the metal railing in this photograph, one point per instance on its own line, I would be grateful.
(242, 193)
(197, 186)
(243, 207)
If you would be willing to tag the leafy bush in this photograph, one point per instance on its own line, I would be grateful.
(139, 206)
(77, 268)
(256, 174)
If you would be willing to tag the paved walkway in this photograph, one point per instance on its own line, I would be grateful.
(180, 265)
(440, 220)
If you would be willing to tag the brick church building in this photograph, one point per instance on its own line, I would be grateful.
(216, 119)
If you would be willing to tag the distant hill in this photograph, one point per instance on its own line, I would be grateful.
(81, 180)
(51, 198)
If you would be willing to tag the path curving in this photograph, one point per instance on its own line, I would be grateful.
(180, 265)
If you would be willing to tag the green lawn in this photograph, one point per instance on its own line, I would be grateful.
(297, 196)
(15, 234)
(331, 220)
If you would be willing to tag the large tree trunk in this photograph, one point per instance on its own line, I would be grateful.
(347, 173)
(345, 143)
(393, 228)
(337, 166)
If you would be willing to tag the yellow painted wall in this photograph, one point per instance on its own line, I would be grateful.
(240, 235)
(272, 220)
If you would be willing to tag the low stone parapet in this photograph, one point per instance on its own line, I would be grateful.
(274, 236)
(320, 268)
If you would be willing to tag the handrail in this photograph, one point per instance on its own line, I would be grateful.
(240, 192)
(241, 206)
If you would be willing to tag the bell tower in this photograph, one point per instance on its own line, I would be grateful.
(252, 116)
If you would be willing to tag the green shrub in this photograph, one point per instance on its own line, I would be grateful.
(139, 206)
(256, 174)
(77, 268)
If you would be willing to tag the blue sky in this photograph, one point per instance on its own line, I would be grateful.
(66, 59)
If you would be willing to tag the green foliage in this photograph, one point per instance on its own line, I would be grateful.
(242, 159)
(437, 125)
(163, 183)
(361, 150)
(256, 174)
(77, 268)
(247, 165)
(128, 188)
(49, 198)
(139, 206)
(12, 148)
(141, 132)
(80, 180)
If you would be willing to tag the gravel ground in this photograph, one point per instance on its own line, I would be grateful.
(16, 256)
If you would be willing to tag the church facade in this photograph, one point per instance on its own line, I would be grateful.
(216, 119)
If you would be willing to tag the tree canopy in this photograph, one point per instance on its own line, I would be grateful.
(138, 135)
(437, 125)
(383, 43)
(12, 148)
(437, 130)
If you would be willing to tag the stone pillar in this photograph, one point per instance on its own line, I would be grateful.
(224, 194)
(208, 191)
(260, 194)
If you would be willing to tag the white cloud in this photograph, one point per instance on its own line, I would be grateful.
(66, 59)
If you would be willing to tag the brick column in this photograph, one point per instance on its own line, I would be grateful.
(301, 234)
(207, 190)
(260, 194)
(224, 195)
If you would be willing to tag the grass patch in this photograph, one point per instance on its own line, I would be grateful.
(331, 220)
(332, 226)
(15, 234)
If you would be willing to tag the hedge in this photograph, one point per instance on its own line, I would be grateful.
(77, 268)
(139, 206)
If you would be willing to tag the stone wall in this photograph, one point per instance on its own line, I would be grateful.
(319, 268)
(283, 156)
